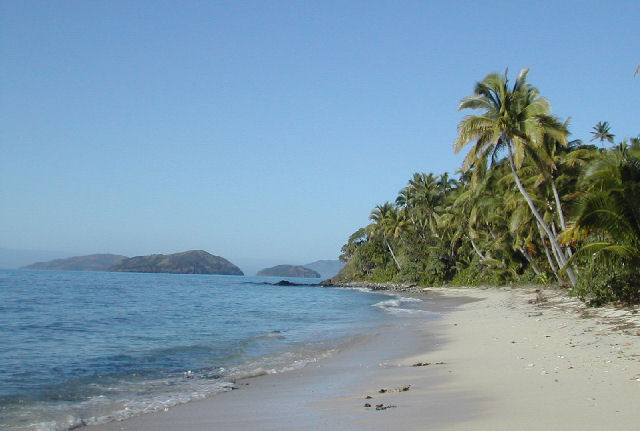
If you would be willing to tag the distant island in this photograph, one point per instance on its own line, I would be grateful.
(93, 262)
(188, 262)
(288, 271)
(326, 268)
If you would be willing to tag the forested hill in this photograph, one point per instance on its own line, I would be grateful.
(288, 271)
(188, 262)
(93, 262)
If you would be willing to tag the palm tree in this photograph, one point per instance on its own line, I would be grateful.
(608, 219)
(388, 222)
(513, 119)
(602, 132)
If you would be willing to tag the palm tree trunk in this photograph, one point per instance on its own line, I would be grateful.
(393, 254)
(552, 264)
(475, 248)
(531, 262)
(556, 196)
(563, 224)
(562, 260)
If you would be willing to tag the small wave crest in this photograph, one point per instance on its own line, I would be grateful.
(394, 306)
(135, 398)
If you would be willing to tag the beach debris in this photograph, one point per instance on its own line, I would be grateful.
(424, 364)
(367, 405)
(400, 389)
(540, 298)
(383, 407)
(368, 397)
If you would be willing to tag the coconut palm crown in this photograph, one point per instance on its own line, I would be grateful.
(602, 132)
(514, 118)
(517, 117)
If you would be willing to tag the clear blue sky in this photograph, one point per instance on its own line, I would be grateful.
(267, 129)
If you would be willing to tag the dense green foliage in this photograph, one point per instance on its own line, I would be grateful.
(528, 206)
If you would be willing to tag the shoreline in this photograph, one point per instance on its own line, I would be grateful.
(302, 398)
(498, 359)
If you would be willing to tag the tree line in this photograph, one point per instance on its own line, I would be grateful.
(529, 205)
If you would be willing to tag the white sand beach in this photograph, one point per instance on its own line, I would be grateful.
(497, 359)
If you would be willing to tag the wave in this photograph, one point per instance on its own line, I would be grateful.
(128, 398)
(394, 305)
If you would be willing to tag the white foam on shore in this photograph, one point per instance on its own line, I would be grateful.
(190, 387)
(394, 305)
(118, 410)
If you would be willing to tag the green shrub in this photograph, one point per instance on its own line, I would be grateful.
(600, 285)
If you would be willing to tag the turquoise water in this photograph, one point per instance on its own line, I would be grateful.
(89, 347)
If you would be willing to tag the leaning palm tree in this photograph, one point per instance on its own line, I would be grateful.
(602, 132)
(513, 119)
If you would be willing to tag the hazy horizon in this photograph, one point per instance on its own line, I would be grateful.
(267, 131)
(18, 258)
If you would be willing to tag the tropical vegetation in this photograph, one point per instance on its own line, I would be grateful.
(528, 205)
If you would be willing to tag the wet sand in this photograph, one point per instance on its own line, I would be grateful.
(494, 359)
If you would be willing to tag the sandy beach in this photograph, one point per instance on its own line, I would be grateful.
(494, 359)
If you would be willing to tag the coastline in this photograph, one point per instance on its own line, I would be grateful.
(496, 358)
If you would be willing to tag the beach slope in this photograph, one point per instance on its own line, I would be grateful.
(496, 359)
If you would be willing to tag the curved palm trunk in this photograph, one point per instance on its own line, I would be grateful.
(563, 224)
(393, 255)
(562, 260)
(556, 196)
(525, 253)
(552, 264)
(475, 248)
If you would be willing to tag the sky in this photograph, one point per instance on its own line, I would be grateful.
(268, 130)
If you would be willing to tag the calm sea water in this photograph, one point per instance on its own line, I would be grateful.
(90, 347)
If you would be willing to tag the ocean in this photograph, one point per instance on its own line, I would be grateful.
(81, 348)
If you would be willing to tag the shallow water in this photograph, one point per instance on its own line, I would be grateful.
(89, 347)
